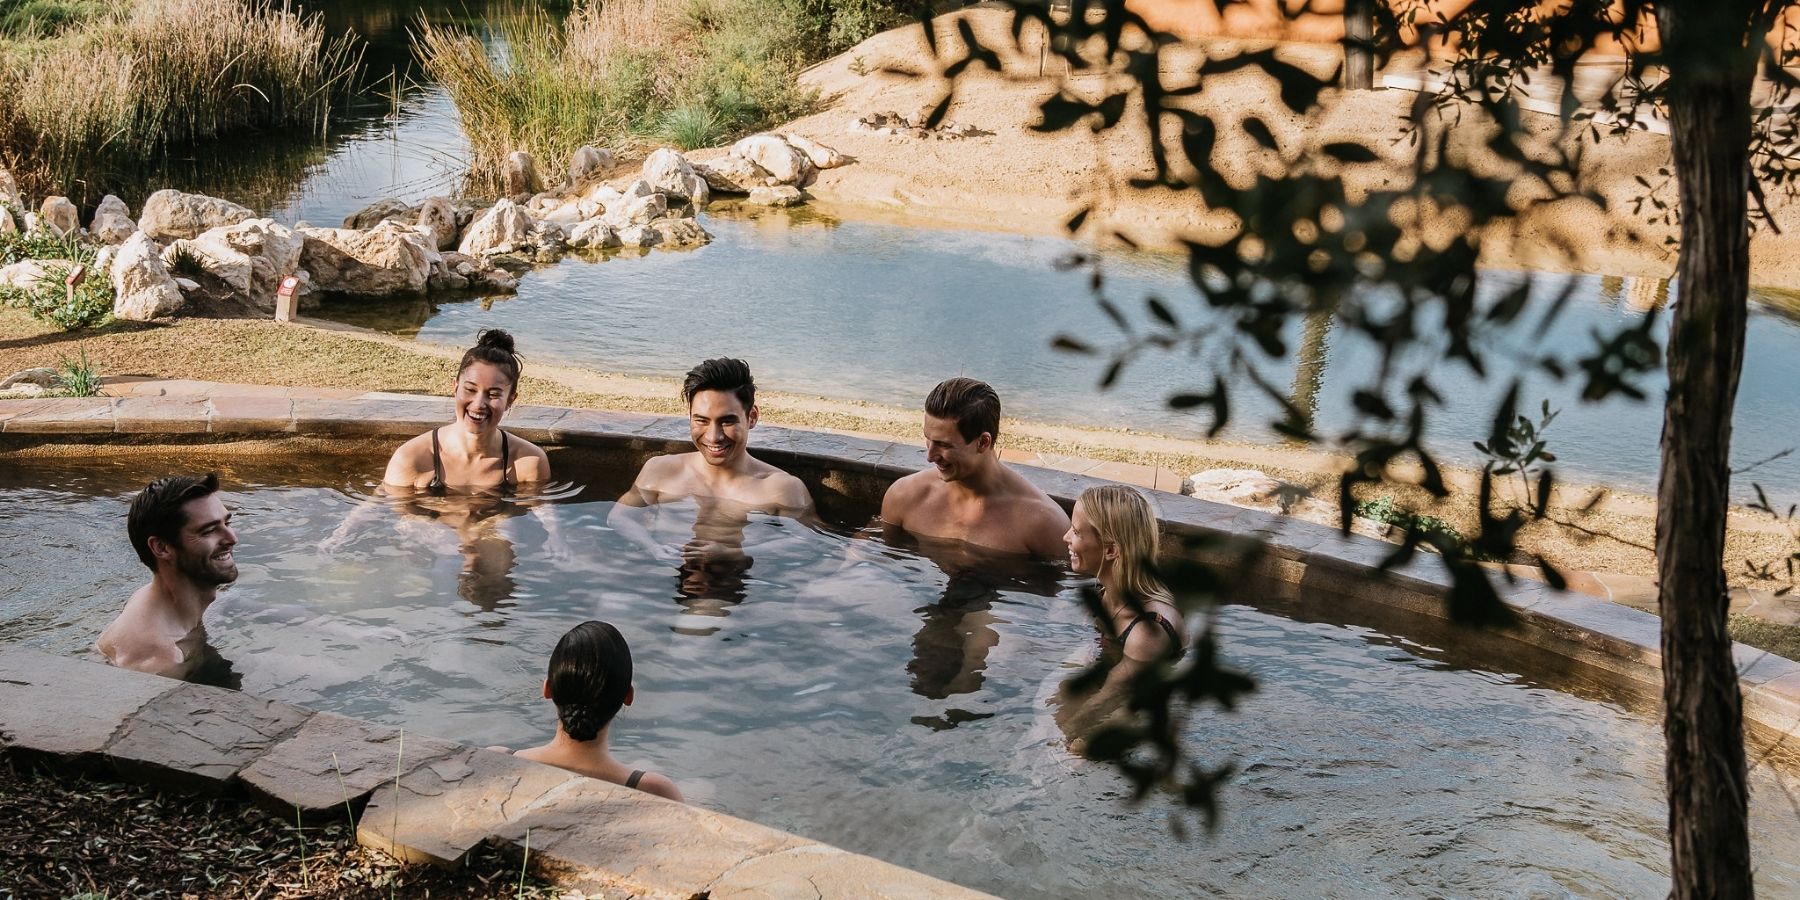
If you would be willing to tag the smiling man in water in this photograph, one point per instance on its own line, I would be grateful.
(182, 531)
(968, 494)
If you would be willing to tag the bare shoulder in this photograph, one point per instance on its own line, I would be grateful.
(906, 491)
(784, 488)
(660, 785)
(529, 460)
(1040, 518)
(410, 460)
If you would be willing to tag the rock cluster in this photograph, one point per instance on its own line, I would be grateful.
(893, 123)
(784, 162)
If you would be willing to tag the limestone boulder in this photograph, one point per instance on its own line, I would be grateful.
(679, 233)
(250, 257)
(9, 191)
(34, 226)
(779, 195)
(40, 376)
(821, 156)
(381, 210)
(143, 289)
(439, 217)
(386, 260)
(7, 225)
(504, 228)
(112, 222)
(26, 274)
(637, 237)
(593, 234)
(604, 195)
(732, 174)
(520, 174)
(669, 172)
(1248, 488)
(171, 214)
(60, 216)
(635, 211)
(784, 164)
(587, 165)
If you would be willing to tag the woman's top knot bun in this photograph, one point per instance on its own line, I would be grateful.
(495, 337)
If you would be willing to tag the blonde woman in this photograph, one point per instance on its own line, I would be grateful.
(1112, 537)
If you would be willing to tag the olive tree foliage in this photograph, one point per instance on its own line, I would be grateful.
(1323, 228)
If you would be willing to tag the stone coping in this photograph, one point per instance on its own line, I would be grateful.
(1297, 558)
(420, 798)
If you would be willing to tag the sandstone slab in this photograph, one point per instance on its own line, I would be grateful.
(198, 738)
(239, 414)
(333, 763)
(817, 870)
(67, 415)
(160, 415)
(439, 811)
(67, 709)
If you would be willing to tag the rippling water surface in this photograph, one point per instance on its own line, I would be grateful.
(869, 699)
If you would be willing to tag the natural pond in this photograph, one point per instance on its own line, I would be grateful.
(869, 696)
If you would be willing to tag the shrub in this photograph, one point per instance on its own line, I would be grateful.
(79, 377)
(89, 306)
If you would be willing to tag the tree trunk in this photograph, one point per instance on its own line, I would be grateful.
(1710, 70)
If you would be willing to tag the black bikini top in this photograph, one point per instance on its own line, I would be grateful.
(437, 487)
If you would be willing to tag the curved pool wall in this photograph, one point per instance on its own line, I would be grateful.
(1298, 564)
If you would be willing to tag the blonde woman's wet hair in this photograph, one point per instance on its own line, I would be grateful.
(1121, 516)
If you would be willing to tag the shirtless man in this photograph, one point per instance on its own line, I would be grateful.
(970, 495)
(182, 532)
(720, 476)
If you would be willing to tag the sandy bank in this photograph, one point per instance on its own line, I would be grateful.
(1014, 178)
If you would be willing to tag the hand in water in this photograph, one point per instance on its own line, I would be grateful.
(711, 552)
(558, 550)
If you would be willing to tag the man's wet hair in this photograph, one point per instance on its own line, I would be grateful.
(157, 510)
(973, 404)
(590, 673)
(722, 374)
(494, 346)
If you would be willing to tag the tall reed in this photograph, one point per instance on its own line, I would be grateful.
(628, 73)
(156, 74)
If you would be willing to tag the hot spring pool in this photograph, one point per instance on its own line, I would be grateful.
(872, 700)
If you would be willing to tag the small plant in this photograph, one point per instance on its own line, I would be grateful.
(1387, 512)
(692, 126)
(79, 377)
(858, 65)
(184, 264)
(1520, 449)
(88, 305)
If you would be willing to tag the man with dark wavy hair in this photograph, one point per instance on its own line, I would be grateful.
(968, 494)
(181, 530)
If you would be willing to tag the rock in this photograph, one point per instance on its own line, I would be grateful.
(142, 287)
(502, 229)
(387, 208)
(593, 235)
(9, 191)
(7, 225)
(386, 260)
(25, 391)
(678, 233)
(25, 274)
(60, 216)
(187, 285)
(198, 738)
(34, 225)
(635, 211)
(439, 217)
(333, 762)
(1239, 487)
(36, 717)
(669, 172)
(638, 188)
(588, 164)
(783, 163)
(605, 195)
(779, 195)
(250, 257)
(42, 376)
(112, 222)
(170, 214)
(732, 174)
(520, 175)
(438, 813)
(638, 237)
(103, 259)
(562, 213)
(821, 156)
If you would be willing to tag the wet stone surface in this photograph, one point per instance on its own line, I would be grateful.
(67, 709)
(443, 808)
(198, 738)
(334, 762)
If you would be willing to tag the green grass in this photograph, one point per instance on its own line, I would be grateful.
(630, 73)
(28, 19)
(89, 306)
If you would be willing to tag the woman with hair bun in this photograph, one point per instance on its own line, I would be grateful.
(590, 681)
(1112, 537)
(472, 452)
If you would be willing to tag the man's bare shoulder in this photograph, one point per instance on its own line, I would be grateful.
(659, 471)
(136, 639)
(906, 493)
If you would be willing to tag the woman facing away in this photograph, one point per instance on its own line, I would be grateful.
(1112, 537)
(590, 681)
(472, 452)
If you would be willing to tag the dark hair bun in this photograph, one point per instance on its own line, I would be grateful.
(495, 337)
(580, 720)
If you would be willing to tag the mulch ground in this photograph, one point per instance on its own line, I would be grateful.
(69, 837)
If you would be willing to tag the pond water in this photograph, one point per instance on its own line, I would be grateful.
(832, 679)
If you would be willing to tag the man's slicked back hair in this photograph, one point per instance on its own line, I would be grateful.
(157, 510)
(973, 404)
(722, 374)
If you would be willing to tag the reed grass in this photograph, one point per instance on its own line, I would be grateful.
(152, 75)
(628, 74)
